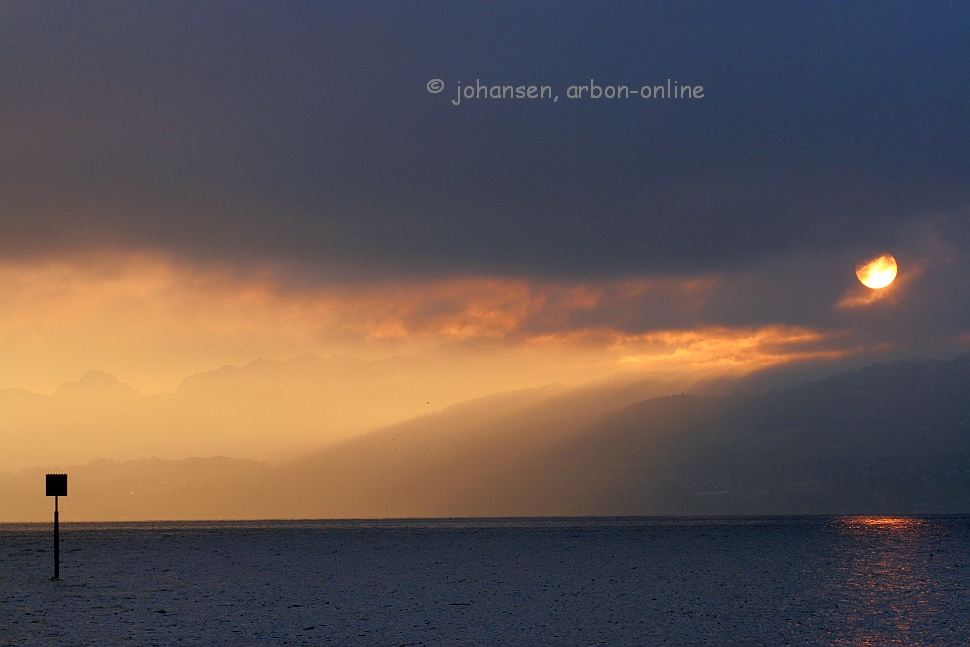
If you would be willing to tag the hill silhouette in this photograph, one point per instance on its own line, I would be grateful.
(266, 410)
(888, 439)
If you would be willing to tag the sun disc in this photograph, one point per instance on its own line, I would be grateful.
(877, 273)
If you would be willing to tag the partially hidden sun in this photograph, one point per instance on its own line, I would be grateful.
(877, 273)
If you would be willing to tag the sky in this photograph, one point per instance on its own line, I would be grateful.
(188, 185)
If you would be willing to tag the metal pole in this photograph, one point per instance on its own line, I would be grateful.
(57, 545)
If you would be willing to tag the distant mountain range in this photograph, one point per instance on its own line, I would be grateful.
(889, 439)
(266, 409)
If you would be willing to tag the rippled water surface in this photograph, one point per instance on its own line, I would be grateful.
(640, 581)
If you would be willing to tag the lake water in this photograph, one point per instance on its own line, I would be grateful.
(625, 581)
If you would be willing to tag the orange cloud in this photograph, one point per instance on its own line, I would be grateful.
(733, 351)
(476, 308)
(152, 320)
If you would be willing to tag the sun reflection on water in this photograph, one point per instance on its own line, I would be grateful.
(887, 581)
(894, 523)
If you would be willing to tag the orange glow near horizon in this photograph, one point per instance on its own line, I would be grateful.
(153, 321)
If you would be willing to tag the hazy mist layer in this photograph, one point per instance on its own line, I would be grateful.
(888, 439)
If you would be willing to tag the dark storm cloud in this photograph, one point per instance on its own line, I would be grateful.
(305, 132)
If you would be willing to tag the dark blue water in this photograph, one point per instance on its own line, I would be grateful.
(750, 581)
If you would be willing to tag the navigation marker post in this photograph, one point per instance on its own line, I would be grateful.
(56, 487)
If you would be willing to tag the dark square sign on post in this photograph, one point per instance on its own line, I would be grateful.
(57, 485)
